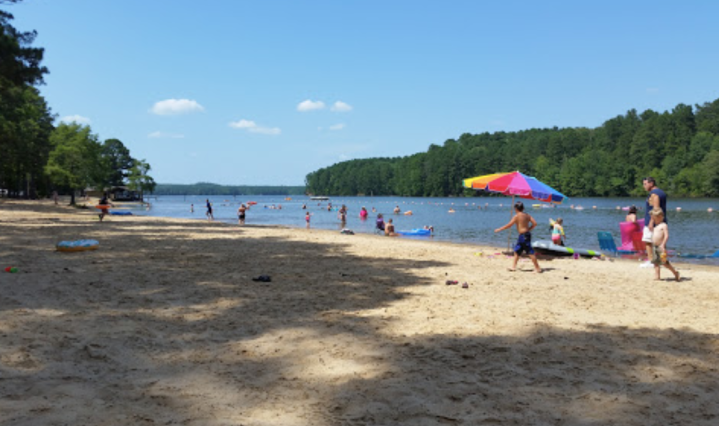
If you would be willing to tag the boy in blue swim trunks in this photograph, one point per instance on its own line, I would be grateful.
(525, 223)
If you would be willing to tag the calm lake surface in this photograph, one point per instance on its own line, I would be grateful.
(693, 229)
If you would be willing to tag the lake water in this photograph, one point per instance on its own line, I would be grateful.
(693, 229)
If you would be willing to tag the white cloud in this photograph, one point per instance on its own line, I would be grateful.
(176, 106)
(310, 105)
(75, 119)
(339, 126)
(243, 124)
(266, 130)
(163, 135)
(340, 106)
(252, 127)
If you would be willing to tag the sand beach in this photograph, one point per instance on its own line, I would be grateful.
(163, 325)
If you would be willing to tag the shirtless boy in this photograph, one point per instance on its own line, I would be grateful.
(660, 237)
(525, 223)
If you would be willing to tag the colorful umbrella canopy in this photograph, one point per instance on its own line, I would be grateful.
(515, 183)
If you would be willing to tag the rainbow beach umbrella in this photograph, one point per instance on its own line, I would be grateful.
(515, 184)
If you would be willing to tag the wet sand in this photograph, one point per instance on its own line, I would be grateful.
(164, 325)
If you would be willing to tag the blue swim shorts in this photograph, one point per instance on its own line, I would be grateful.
(524, 244)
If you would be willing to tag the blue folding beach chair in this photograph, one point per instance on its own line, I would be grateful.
(606, 243)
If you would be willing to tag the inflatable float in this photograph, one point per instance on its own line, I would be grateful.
(416, 233)
(699, 256)
(547, 246)
(121, 213)
(79, 245)
(103, 206)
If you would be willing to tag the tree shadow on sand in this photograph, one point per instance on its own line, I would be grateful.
(193, 340)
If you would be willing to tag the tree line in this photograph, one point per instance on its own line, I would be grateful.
(37, 156)
(204, 188)
(680, 148)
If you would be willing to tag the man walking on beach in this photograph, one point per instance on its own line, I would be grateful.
(525, 223)
(657, 199)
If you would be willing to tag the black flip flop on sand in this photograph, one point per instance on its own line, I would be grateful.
(262, 278)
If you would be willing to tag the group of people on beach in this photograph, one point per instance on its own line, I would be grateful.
(655, 232)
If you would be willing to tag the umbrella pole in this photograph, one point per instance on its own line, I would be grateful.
(509, 234)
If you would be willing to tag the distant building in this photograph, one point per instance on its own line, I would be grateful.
(123, 193)
(116, 193)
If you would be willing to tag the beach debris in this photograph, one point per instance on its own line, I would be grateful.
(11, 269)
(452, 282)
(479, 253)
(262, 278)
(465, 285)
(347, 232)
(576, 255)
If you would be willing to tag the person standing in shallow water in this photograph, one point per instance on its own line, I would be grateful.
(632, 215)
(241, 214)
(525, 223)
(209, 214)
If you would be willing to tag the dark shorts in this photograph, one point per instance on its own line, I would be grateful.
(241, 216)
(524, 244)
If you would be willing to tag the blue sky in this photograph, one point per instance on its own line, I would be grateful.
(264, 92)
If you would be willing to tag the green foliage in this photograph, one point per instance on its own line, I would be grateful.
(711, 174)
(139, 178)
(117, 162)
(35, 155)
(74, 161)
(680, 148)
(19, 61)
(25, 119)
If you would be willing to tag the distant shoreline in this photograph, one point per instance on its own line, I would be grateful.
(212, 189)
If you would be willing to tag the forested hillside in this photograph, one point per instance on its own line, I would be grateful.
(680, 148)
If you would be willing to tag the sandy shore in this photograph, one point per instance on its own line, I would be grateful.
(163, 325)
